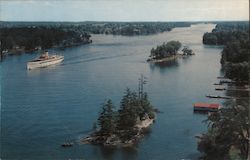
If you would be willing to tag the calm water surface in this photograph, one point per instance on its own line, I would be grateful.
(42, 108)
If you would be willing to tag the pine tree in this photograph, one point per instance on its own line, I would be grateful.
(146, 106)
(128, 110)
(106, 120)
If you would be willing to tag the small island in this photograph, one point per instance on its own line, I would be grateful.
(168, 51)
(126, 126)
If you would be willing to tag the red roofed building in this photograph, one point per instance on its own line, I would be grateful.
(206, 107)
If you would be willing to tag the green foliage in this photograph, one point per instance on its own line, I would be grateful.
(236, 52)
(130, 28)
(132, 109)
(45, 37)
(229, 128)
(237, 71)
(165, 50)
(187, 51)
(115, 28)
(128, 112)
(235, 59)
(106, 118)
(225, 32)
(210, 38)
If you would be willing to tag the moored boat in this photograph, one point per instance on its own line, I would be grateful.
(44, 60)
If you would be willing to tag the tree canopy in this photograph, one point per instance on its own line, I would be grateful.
(165, 50)
(228, 130)
(235, 58)
(44, 37)
(107, 117)
(132, 108)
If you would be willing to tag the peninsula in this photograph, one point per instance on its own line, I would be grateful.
(16, 40)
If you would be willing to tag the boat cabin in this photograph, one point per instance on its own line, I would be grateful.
(45, 55)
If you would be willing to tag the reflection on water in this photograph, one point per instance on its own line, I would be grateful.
(107, 152)
(163, 65)
(124, 153)
(171, 63)
(129, 153)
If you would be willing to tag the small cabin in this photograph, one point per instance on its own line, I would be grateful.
(45, 55)
(211, 107)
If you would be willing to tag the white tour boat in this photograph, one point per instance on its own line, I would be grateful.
(44, 60)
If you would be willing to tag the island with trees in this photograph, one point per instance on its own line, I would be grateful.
(168, 51)
(123, 127)
(228, 129)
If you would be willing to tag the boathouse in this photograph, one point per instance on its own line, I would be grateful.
(206, 107)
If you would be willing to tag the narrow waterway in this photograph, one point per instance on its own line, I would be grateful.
(42, 108)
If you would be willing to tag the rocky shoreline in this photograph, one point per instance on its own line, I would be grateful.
(165, 59)
(116, 140)
(23, 51)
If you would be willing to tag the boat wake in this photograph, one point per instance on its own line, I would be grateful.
(71, 62)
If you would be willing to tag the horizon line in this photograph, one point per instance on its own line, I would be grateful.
(124, 21)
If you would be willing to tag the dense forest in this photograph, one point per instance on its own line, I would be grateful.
(133, 28)
(165, 50)
(32, 38)
(225, 32)
(235, 58)
(28, 36)
(116, 28)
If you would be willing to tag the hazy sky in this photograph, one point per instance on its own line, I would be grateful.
(123, 10)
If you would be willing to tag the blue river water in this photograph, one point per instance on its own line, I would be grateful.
(42, 108)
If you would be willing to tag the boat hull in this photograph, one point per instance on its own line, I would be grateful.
(44, 63)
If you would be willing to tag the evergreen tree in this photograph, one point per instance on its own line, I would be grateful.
(106, 118)
(146, 106)
(229, 128)
(128, 112)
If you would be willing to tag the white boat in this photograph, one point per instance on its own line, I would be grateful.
(44, 60)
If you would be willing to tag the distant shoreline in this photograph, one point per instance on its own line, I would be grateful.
(23, 51)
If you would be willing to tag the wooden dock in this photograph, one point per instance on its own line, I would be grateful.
(221, 97)
(220, 88)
